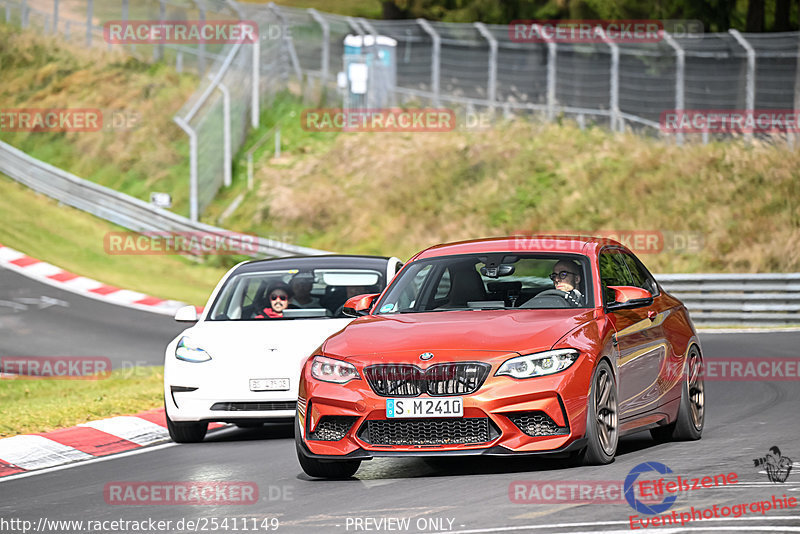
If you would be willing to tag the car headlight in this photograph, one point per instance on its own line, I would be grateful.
(330, 370)
(189, 352)
(539, 364)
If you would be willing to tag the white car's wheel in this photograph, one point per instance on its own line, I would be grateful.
(186, 432)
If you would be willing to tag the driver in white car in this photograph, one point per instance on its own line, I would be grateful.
(566, 278)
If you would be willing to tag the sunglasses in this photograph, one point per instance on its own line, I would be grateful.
(561, 276)
(279, 297)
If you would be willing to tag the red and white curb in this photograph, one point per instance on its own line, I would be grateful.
(57, 277)
(30, 452)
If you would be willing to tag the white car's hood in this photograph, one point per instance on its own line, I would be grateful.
(241, 350)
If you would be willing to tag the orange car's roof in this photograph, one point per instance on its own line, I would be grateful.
(521, 243)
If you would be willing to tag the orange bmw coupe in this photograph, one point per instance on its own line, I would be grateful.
(503, 346)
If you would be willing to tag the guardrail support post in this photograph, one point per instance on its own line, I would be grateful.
(492, 84)
(192, 166)
(326, 43)
(750, 96)
(8, 12)
(680, 71)
(436, 55)
(23, 13)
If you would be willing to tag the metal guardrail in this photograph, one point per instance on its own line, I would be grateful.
(120, 209)
(752, 299)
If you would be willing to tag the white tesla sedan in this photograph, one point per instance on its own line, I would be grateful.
(240, 363)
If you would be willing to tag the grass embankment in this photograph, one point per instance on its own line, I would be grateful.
(40, 405)
(397, 193)
(40, 72)
(147, 152)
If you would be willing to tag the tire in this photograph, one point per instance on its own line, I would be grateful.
(688, 426)
(181, 432)
(602, 422)
(335, 469)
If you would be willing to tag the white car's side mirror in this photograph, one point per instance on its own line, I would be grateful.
(187, 314)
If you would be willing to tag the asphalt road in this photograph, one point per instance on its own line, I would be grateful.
(38, 320)
(743, 420)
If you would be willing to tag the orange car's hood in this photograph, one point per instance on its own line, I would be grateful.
(523, 331)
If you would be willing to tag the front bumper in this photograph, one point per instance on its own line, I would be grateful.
(561, 397)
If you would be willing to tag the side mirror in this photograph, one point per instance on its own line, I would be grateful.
(359, 305)
(187, 314)
(629, 297)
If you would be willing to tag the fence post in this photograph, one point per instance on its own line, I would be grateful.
(255, 89)
(680, 71)
(226, 133)
(492, 88)
(796, 89)
(436, 55)
(192, 166)
(326, 43)
(287, 41)
(162, 15)
(55, 17)
(23, 13)
(89, 22)
(8, 12)
(201, 46)
(750, 96)
(616, 120)
(552, 56)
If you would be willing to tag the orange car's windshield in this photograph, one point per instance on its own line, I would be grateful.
(501, 280)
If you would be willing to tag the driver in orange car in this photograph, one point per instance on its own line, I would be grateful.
(566, 277)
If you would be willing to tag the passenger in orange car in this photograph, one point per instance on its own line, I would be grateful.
(279, 295)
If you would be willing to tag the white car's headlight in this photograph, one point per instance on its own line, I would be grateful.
(539, 364)
(189, 352)
(330, 370)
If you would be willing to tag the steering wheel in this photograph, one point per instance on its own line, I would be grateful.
(549, 298)
(552, 292)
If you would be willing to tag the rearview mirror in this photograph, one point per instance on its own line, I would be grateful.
(629, 297)
(358, 305)
(186, 314)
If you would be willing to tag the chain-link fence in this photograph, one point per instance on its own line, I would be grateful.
(475, 67)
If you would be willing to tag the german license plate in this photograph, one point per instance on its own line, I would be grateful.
(439, 407)
(269, 384)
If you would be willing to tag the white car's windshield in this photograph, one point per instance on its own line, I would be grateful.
(491, 281)
(292, 293)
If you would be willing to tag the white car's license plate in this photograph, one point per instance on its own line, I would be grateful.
(438, 407)
(269, 384)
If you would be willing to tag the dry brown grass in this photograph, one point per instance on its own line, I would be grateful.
(398, 193)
